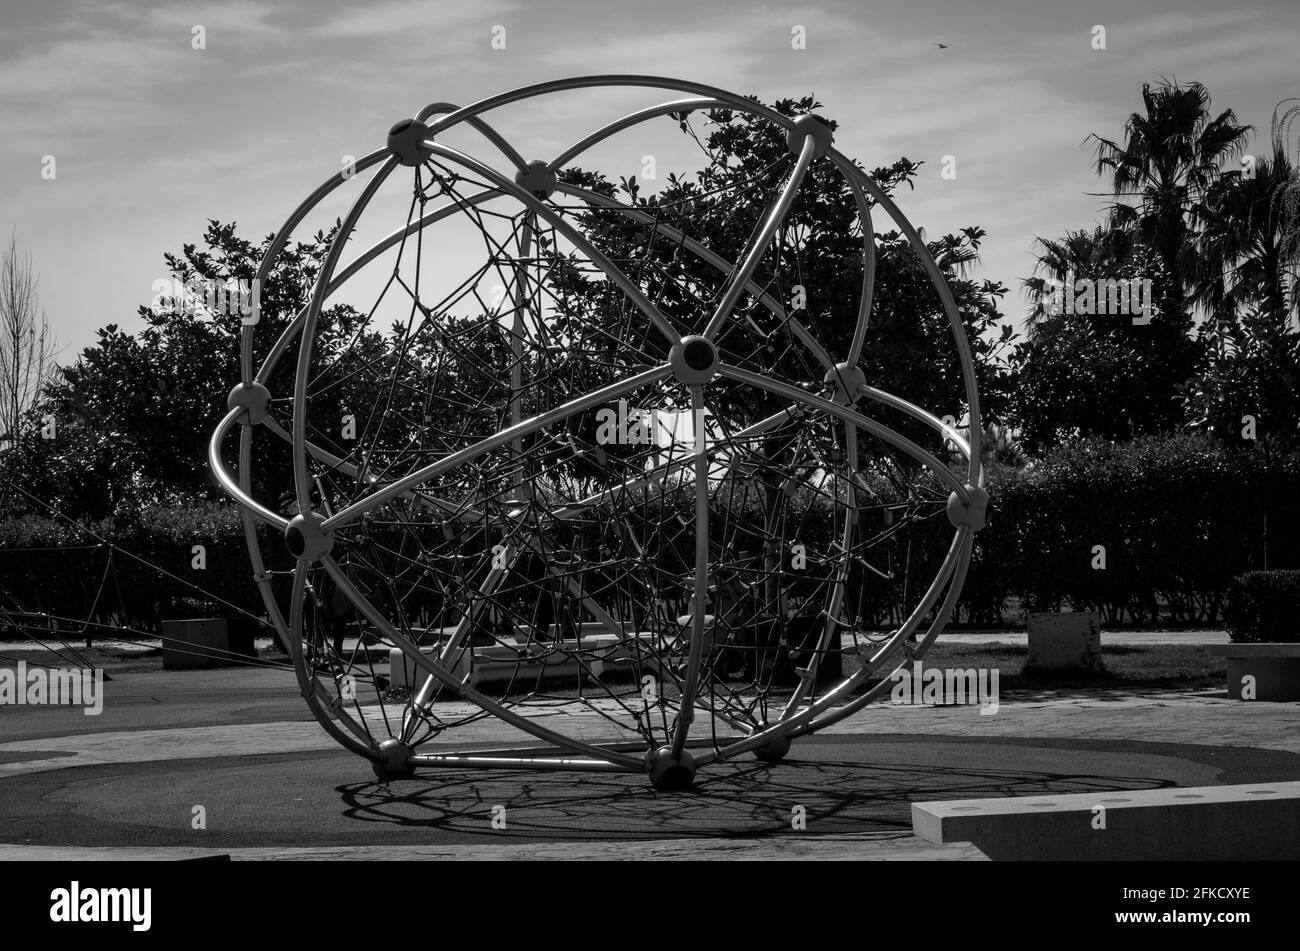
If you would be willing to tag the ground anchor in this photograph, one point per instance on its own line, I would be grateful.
(669, 774)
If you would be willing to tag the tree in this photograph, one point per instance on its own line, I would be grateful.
(1091, 373)
(814, 267)
(135, 411)
(129, 421)
(1246, 255)
(908, 348)
(1105, 250)
(1244, 390)
(1171, 155)
(1290, 196)
(26, 343)
(1084, 374)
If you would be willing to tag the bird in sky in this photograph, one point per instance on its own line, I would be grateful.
(942, 46)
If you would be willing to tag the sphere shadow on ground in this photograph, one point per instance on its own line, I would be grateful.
(841, 785)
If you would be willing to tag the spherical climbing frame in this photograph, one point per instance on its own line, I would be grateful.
(645, 585)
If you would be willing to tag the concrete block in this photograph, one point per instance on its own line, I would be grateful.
(200, 643)
(1069, 641)
(1254, 821)
(1269, 672)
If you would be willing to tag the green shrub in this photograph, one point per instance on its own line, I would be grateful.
(1264, 606)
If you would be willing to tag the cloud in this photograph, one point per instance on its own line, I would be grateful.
(153, 137)
(407, 22)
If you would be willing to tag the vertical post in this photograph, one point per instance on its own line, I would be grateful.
(686, 707)
(517, 335)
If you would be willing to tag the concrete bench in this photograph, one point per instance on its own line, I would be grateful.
(1261, 671)
(1255, 821)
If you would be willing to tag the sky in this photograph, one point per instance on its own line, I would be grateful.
(151, 137)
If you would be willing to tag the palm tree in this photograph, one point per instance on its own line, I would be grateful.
(1103, 251)
(1290, 196)
(1247, 252)
(1171, 155)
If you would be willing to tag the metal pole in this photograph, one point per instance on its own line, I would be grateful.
(686, 711)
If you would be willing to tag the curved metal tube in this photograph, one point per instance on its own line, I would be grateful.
(507, 435)
(774, 306)
(443, 211)
(629, 120)
(489, 133)
(277, 245)
(849, 415)
(301, 478)
(540, 208)
(974, 470)
(233, 489)
(842, 690)
(764, 238)
(940, 622)
(502, 713)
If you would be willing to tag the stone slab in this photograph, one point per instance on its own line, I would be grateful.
(1252, 821)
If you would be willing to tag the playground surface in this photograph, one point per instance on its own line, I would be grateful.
(272, 785)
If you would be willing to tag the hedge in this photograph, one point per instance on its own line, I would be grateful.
(133, 574)
(1177, 518)
(1264, 606)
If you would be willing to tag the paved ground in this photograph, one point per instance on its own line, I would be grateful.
(1007, 636)
(273, 785)
(876, 846)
